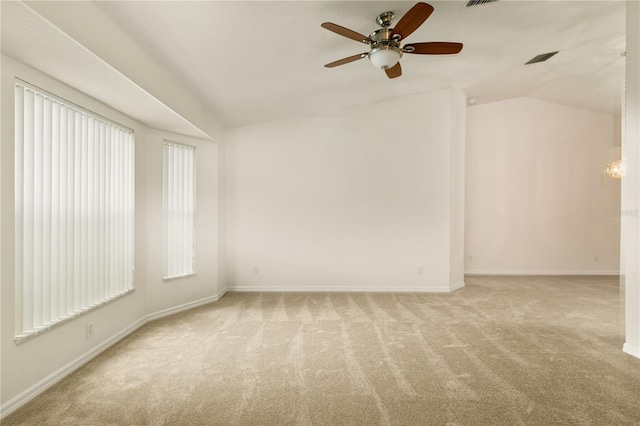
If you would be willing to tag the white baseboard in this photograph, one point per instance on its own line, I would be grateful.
(537, 272)
(627, 348)
(457, 286)
(184, 307)
(27, 395)
(346, 289)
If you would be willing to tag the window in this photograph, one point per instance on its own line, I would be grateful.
(178, 211)
(74, 175)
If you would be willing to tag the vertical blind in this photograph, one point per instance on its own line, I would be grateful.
(74, 181)
(178, 254)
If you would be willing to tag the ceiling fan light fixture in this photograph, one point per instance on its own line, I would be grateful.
(385, 57)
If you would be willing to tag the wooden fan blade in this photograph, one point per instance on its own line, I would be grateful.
(394, 71)
(346, 60)
(346, 32)
(433, 48)
(412, 20)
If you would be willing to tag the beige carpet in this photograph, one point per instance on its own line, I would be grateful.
(502, 351)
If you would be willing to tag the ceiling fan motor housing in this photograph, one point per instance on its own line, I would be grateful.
(385, 51)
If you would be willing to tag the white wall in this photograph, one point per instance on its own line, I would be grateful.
(631, 184)
(31, 366)
(457, 193)
(536, 199)
(359, 199)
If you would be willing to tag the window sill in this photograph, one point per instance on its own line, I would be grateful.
(33, 333)
(178, 277)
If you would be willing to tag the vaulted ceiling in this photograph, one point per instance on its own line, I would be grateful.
(255, 61)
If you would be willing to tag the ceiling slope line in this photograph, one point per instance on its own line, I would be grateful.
(201, 129)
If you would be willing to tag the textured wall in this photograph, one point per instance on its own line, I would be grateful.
(356, 199)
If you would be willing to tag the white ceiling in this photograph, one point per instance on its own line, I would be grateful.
(35, 42)
(256, 61)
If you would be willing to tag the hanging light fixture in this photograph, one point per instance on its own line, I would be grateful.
(614, 169)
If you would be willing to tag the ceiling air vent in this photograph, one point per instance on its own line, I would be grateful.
(471, 3)
(541, 58)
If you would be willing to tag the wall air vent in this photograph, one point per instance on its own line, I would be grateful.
(541, 58)
(471, 3)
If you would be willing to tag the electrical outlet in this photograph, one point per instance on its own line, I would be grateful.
(420, 270)
(595, 258)
(89, 330)
(470, 258)
(256, 270)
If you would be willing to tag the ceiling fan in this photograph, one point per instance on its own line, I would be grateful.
(385, 51)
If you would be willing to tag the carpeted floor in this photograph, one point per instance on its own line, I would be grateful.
(502, 351)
